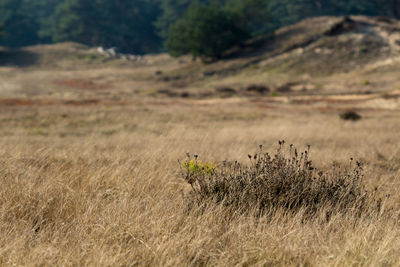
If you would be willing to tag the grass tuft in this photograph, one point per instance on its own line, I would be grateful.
(350, 116)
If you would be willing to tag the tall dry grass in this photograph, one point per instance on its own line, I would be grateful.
(101, 186)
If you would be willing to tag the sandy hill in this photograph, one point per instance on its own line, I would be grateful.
(317, 56)
(326, 45)
(339, 52)
(321, 46)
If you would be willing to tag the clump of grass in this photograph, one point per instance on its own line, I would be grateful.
(258, 88)
(350, 116)
(39, 131)
(366, 83)
(284, 181)
(92, 56)
(79, 56)
(274, 94)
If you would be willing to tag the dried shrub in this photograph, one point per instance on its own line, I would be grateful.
(286, 88)
(184, 95)
(226, 90)
(285, 181)
(350, 116)
(344, 26)
(167, 92)
(384, 19)
(171, 93)
(258, 88)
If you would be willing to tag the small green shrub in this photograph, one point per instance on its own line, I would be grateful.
(366, 83)
(92, 56)
(39, 131)
(284, 181)
(196, 167)
(274, 94)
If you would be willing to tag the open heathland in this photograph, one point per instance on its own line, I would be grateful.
(157, 161)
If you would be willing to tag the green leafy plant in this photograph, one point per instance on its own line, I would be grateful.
(195, 167)
(366, 83)
(274, 94)
(92, 56)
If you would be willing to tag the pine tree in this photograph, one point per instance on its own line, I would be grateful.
(125, 24)
(253, 14)
(20, 25)
(389, 8)
(172, 11)
(205, 32)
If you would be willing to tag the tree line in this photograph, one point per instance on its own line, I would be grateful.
(197, 27)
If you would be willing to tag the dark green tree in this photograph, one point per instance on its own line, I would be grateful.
(136, 25)
(45, 10)
(172, 11)
(253, 14)
(126, 24)
(20, 24)
(355, 7)
(389, 8)
(205, 32)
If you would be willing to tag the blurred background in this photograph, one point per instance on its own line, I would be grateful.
(143, 26)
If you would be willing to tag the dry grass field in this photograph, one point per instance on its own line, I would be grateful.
(100, 185)
(90, 174)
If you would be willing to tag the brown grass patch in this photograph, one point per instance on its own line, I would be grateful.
(57, 102)
(102, 187)
(82, 84)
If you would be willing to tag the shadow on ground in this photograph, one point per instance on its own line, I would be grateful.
(14, 57)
